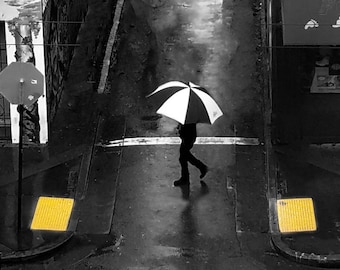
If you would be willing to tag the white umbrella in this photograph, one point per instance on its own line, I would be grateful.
(186, 103)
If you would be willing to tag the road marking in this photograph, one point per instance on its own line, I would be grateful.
(177, 140)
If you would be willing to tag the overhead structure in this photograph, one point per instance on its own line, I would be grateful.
(311, 22)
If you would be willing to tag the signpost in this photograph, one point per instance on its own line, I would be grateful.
(22, 84)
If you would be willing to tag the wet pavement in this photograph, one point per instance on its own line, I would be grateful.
(172, 226)
(97, 202)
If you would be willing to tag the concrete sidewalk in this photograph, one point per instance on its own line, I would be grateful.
(311, 171)
(302, 164)
(60, 168)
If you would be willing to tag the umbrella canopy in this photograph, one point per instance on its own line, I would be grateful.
(186, 103)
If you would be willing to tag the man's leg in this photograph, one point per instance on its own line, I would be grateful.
(198, 164)
(183, 160)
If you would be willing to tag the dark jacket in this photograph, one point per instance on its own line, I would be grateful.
(188, 133)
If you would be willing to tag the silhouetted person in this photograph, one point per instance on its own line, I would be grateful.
(188, 134)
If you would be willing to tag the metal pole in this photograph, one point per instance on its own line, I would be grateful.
(20, 107)
(21, 113)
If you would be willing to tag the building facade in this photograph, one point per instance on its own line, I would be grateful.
(306, 71)
(51, 32)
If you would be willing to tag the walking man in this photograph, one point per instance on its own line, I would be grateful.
(188, 134)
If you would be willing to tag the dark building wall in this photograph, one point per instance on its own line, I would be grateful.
(5, 132)
(298, 114)
(62, 21)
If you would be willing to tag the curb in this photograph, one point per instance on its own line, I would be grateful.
(330, 261)
(29, 254)
(270, 167)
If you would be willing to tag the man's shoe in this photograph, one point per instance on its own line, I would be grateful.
(204, 171)
(181, 182)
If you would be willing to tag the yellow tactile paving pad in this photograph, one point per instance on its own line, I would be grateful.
(296, 215)
(52, 214)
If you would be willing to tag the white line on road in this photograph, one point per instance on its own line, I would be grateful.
(177, 140)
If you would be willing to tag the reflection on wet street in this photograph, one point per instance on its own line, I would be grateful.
(179, 226)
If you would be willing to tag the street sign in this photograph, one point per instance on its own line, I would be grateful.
(21, 83)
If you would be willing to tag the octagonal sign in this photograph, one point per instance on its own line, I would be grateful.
(21, 83)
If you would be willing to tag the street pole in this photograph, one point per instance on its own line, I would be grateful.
(21, 112)
(20, 108)
(15, 95)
